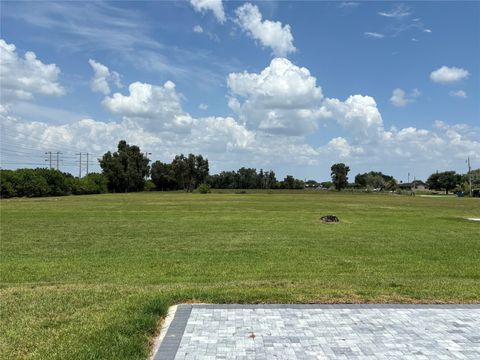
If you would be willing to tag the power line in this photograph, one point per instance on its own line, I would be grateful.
(58, 158)
(49, 159)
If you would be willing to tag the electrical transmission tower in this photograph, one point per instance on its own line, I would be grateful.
(80, 163)
(49, 159)
(49, 153)
(58, 159)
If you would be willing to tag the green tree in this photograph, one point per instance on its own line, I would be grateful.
(189, 172)
(375, 179)
(339, 175)
(126, 168)
(163, 176)
(326, 184)
(446, 180)
(93, 183)
(201, 170)
(391, 185)
(289, 182)
(312, 183)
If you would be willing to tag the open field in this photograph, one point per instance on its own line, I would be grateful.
(89, 277)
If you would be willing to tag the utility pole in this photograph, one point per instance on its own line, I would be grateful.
(469, 175)
(80, 165)
(50, 158)
(408, 178)
(58, 158)
(87, 163)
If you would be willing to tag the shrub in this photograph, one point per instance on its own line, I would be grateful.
(93, 183)
(149, 186)
(204, 188)
(48, 182)
(31, 184)
(7, 184)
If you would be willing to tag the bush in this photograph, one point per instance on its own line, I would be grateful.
(48, 182)
(204, 188)
(93, 183)
(149, 186)
(7, 184)
(32, 184)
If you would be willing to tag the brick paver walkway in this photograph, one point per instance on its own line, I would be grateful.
(323, 332)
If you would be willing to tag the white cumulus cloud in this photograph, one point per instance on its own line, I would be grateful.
(102, 77)
(447, 74)
(269, 33)
(216, 6)
(358, 114)
(458, 93)
(198, 29)
(400, 98)
(23, 77)
(151, 106)
(283, 98)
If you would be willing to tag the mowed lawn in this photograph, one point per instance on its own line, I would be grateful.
(90, 277)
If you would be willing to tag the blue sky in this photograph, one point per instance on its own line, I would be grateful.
(288, 86)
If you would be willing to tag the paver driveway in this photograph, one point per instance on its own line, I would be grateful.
(323, 332)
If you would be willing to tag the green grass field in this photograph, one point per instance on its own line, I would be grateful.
(89, 277)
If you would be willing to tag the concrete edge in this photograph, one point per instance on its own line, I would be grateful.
(171, 334)
(337, 306)
(163, 330)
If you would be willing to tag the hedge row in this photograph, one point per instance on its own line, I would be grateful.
(48, 182)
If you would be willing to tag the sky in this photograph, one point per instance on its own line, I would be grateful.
(289, 86)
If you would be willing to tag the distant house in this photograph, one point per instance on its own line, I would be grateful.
(414, 185)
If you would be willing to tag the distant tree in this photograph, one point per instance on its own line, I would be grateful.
(446, 180)
(361, 180)
(475, 178)
(190, 171)
(433, 181)
(311, 183)
(270, 180)
(244, 178)
(326, 184)
(374, 179)
(180, 170)
(201, 170)
(126, 168)
(48, 182)
(299, 184)
(391, 185)
(339, 175)
(247, 178)
(92, 183)
(163, 176)
(260, 184)
(289, 182)
(8, 183)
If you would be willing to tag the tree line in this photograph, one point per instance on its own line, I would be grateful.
(128, 169)
(439, 181)
(48, 182)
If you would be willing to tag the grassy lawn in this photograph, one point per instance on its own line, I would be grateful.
(89, 277)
